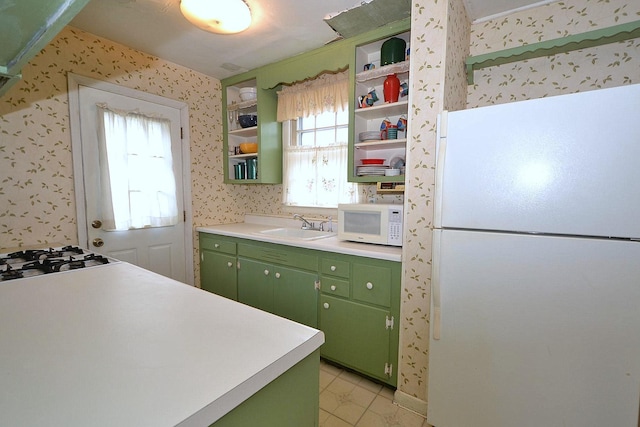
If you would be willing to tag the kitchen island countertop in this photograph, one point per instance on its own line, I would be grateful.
(253, 225)
(118, 345)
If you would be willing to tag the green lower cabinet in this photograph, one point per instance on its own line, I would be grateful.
(255, 284)
(280, 290)
(218, 274)
(295, 295)
(357, 308)
(357, 336)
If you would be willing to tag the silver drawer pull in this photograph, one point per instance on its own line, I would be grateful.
(266, 272)
(333, 287)
(277, 275)
(217, 245)
(369, 285)
(334, 268)
(229, 264)
(325, 305)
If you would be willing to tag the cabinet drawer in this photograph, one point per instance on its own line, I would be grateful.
(217, 245)
(279, 256)
(372, 284)
(335, 267)
(333, 286)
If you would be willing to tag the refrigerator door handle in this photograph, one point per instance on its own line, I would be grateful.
(441, 148)
(435, 286)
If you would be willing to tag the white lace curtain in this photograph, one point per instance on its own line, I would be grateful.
(316, 175)
(325, 93)
(137, 182)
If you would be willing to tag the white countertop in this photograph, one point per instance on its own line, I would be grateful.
(117, 345)
(251, 228)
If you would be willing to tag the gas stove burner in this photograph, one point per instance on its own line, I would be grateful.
(99, 259)
(10, 274)
(35, 262)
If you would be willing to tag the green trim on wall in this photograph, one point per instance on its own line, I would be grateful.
(332, 57)
(589, 39)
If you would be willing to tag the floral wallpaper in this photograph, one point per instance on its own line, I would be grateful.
(439, 44)
(586, 69)
(37, 203)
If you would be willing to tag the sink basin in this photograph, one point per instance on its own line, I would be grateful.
(297, 233)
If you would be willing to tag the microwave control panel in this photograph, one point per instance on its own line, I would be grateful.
(395, 226)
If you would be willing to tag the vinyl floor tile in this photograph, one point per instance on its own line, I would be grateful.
(349, 400)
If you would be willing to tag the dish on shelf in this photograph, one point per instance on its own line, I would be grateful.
(249, 147)
(369, 135)
(372, 161)
(396, 162)
(247, 120)
(402, 123)
(371, 170)
(248, 93)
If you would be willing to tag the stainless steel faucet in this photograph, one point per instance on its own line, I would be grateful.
(306, 225)
(330, 221)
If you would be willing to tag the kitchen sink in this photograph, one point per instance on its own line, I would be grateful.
(297, 233)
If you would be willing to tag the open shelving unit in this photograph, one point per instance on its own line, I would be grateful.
(369, 119)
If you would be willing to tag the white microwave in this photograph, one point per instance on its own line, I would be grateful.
(371, 223)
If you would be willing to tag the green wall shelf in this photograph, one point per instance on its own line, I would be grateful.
(28, 26)
(589, 39)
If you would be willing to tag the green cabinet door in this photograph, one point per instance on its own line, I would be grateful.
(295, 295)
(218, 274)
(279, 290)
(356, 336)
(255, 287)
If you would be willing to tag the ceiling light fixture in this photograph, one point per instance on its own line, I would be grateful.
(217, 16)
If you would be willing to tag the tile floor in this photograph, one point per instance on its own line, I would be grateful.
(348, 400)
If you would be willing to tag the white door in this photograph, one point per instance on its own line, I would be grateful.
(159, 249)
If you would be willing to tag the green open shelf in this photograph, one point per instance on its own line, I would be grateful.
(589, 39)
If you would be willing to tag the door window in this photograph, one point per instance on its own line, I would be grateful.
(137, 183)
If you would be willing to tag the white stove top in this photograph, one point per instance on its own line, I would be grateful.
(36, 262)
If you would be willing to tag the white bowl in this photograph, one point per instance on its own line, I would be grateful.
(248, 93)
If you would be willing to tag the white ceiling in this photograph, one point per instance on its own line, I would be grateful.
(280, 29)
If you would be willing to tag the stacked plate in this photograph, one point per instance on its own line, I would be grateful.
(371, 167)
(371, 170)
(369, 136)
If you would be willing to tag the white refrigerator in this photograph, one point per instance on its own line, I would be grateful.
(535, 317)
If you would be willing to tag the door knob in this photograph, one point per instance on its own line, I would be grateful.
(96, 223)
(98, 242)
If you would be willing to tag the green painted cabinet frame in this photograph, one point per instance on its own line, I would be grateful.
(269, 132)
(333, 57)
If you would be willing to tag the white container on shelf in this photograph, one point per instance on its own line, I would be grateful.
(248, 93)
